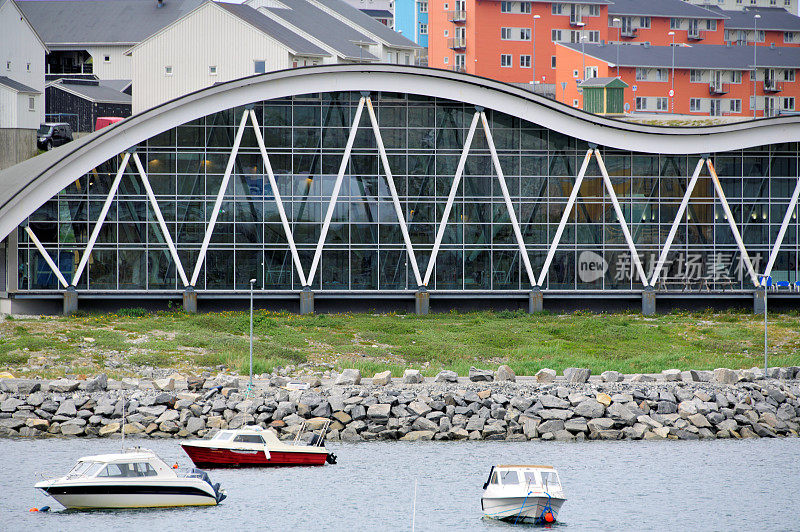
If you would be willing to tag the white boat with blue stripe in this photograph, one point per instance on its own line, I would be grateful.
(523, 493)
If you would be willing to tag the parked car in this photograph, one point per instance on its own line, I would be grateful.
(52, 134)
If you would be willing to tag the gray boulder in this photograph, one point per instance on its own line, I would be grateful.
(412, 376)
(348, 377)
(379, 411)
(545, 376)
(67, 408)
(64, 385)
(577, 375)
(98, 384)
(505, 373)
(612, 376)
(382, 379)
(672, 375)
(480, 375)
(195, 424)
(446, 376)
(725, 376)
(590, 408)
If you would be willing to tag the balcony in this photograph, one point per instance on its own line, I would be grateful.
(770, 85)
(458, 15)
(696, 35)
(458, 68)
(576, 20)
(718, 88)
(457, 43)
(629, 33)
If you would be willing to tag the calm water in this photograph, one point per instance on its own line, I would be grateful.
(721, 485)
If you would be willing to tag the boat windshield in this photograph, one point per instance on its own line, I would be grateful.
(85, 469)
(138, 469)
(223, 435)
(550, 479)
(509, 477)
(530, 478)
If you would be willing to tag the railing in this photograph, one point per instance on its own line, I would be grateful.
(718, 88)
(770, 85)
(457, 43)
(458, 68)
(459, 15)
(628, 32)
(696, 35)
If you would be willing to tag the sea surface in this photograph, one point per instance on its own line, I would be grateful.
(668, 485)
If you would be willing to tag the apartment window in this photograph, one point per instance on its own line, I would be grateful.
(575, 36)
(28, 67)
(788, 36)
(575, 103)
(446, 60)
(590, 72)
(787, 104)
(555, 35)
(661, 74)
(773, 2)
(212, 70)
(106, 59)
(446, 7)
(557, 9)
(505, 34)
(644, 22)
(674, 23)
(787, 2)
(575, 74)
(446, 33)
(525, 7)
(641, 103)
(594, 11)
(259, 67)
(760, 36)
(423, 29)
(505, 7)
(711, 25)
(423, 7)
(594, 36)
(694, 104)
(729, 35)
(8, 65)
(641, 74)
(525, 61)
(167, 70)
(695, 76)
(32, 103)
(506, 60)
(735, 106)
(661, 104)
(552, 61)
(524, 34)
(788, 74)
(736, 76)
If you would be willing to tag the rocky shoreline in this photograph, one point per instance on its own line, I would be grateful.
(488, 405)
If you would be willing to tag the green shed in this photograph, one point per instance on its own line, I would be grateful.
(604, 96)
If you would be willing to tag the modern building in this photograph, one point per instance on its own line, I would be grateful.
(356, 186)
(764, 26)
(411, 19)
(711, 80)
(88, 100)
(22, 55)
(740, 5)
(380, 10)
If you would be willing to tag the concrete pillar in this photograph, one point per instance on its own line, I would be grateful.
(190, 300)
(70, 301)
(535, 300)
(422, 301)
(306, 301)
(759, 299)
(648, 301)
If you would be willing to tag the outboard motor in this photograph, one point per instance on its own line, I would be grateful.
(331, 458)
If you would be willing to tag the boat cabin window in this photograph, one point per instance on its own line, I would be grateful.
(80, 469)
(223, 435)
(509, 477)
(550, 478)
(249, 438)
(530, 478)
(494, 478)
(139, 469)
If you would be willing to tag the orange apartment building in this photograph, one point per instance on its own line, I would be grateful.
(523, 41)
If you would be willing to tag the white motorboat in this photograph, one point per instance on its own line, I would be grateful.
(523, 493)
(137, 478)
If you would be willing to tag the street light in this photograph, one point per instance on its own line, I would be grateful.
(535, 18)
(252, 282)
(755, 59)
(672, 86)
(618, 23)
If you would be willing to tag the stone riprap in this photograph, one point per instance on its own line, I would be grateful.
(675, 405)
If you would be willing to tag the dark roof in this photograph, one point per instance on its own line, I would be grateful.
(712, 56)
(772, 18)
(116, 84)
(92, 91)
(601, 2)
(662, 8)
(102, 21)
(16, 85)
(331, 31)
(603, 82)
(274, 29)
(380, 13)
(381, 31)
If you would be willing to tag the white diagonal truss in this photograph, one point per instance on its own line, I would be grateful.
(564, 217)
(732, 222)
(278, 201)
(220, 196)
(451, 198)
(621, 218)
(160, 218)
(676, 223)
(335, 194)
(782, 232)
(100, 219)
(398, 209)
(510, 206)
(46, 256)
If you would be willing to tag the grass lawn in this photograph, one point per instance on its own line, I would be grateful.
(124, 342)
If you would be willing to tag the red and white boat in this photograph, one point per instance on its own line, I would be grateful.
(253, 446)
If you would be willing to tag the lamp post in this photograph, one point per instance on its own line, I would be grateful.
(755, 59)
(535, 18)
(672, 85)
(618, 23)
(252, 282)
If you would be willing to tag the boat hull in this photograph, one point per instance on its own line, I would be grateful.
(130, 496)
(520, 508)
(220, 457)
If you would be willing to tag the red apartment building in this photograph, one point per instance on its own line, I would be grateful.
(523, 41)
